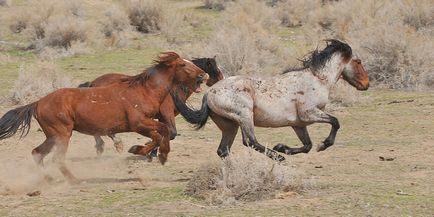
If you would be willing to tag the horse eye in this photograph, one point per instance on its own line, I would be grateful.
(183, 64)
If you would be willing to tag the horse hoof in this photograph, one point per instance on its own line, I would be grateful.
(279, 147)
(321, 148)
(135, 149)
(162, 158)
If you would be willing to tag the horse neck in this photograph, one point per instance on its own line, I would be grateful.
(161, 82)
(182, 91)
(331, 70)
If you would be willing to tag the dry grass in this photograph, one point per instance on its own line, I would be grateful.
(393, 38)
(37, 80)
(4, 3)
(145, 15)
(244, 44)
(217, 4)
(244, 177)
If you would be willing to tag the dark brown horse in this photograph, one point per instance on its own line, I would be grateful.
(167, 110)
(127, 106)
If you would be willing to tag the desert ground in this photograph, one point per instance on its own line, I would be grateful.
(349, 179)
(381, 164)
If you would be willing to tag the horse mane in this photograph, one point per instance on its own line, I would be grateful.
(163, 62)
(317, 59)
(208, 65)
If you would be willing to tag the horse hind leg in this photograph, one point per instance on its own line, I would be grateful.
(303, 135)
(61, 146)
(99, 145)
(249, 140)
(39, 154)
(229, 130)
(42, 150)
(117, 142)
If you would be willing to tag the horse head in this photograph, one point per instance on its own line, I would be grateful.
(209, 65)
(352, 68)
(185, 71)
(355, 74)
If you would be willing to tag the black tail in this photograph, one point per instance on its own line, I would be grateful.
(196, 117)
(16, 120)
(85, 84)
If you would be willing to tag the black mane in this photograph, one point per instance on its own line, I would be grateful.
(318, 59)
(208, 65)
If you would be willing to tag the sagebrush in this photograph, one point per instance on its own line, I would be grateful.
(244, 177)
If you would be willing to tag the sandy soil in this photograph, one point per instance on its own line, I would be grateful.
(349, 179)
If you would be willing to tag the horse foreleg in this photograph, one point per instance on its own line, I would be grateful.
(303, 135)
(159, 134)
(117, 142)
(330, 140)
(59, 158)
(99, 145)
(318, 116)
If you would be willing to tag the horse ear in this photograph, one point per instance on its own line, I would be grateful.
(167, 57)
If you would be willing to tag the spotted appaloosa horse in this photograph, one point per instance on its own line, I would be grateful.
(167, 109)
(128, 106)
(295, 98)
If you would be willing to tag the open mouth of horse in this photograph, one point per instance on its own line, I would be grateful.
(199, 82)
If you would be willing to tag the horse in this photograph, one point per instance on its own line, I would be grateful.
(167, 110)
(127, 106)
(295, 98)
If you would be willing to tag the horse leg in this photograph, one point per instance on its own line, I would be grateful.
(249, 140)
(117, 142)
(330, 140)
(159, 134)
(317, 115)
(39, 154)
(99, 145)
(229, 130)
(59, 159)
(303, 135)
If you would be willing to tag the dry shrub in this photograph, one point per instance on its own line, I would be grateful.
(145, 15)
(217, 4)
(293, 13)
(393, 38)
(51, 54)
(245, 177)
(19, 22)
(4, 3)
(115, 22)
(244, 44)
(37, 80)
(62, 31)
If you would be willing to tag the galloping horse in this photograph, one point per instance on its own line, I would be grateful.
(167, 109)
(127, 106)
(295, 98)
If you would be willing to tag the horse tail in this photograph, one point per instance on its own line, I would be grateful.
(85, 84)
(17, 120)
(196, 117)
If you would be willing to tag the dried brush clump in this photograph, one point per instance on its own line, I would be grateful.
(244, 44)
(37, 80)
(244, 177)
(145, 15)
(217, 4)
(393, 38)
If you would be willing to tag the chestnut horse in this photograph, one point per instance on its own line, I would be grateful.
(167, 110)
(127, 106)
(295, 98)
